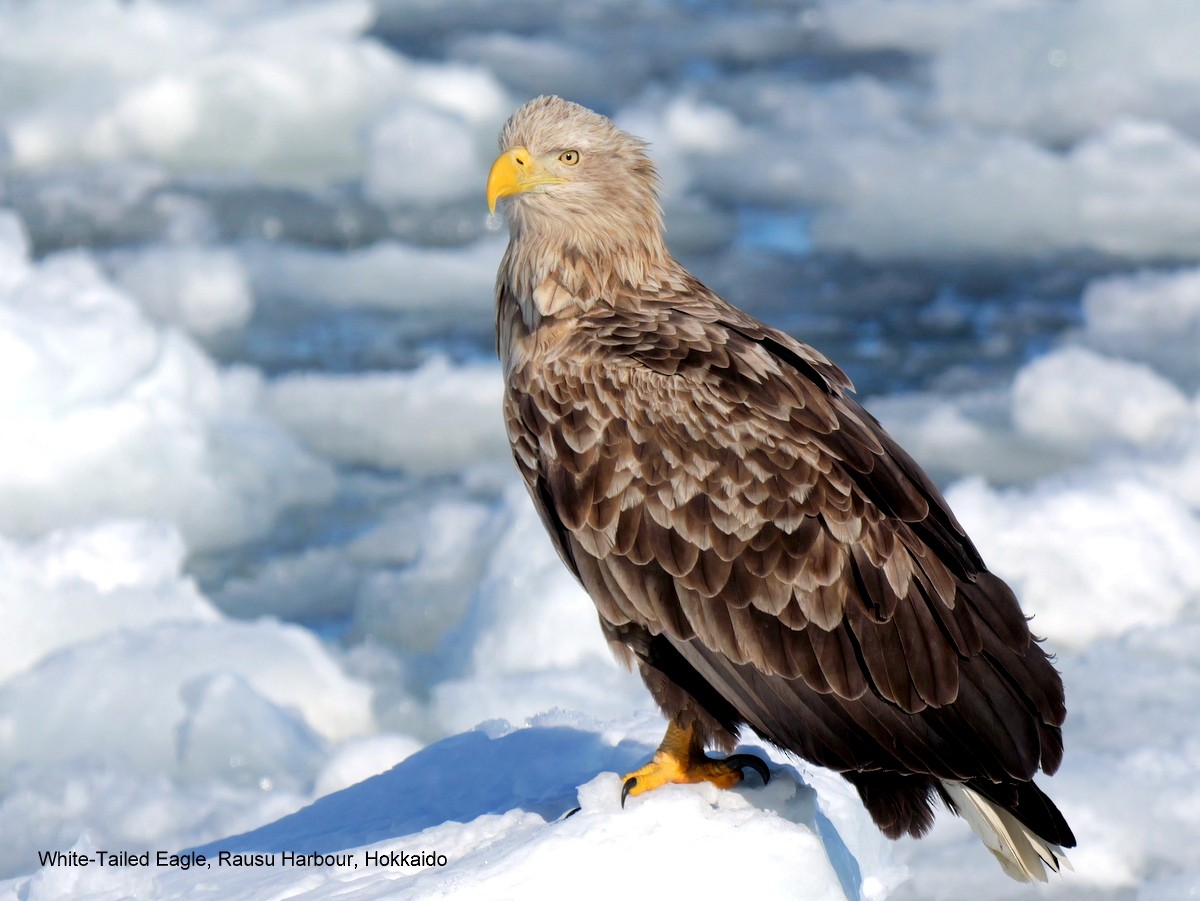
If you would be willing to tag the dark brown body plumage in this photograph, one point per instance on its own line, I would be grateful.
(753, 540)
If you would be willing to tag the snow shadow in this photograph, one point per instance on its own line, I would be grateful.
(457, 779)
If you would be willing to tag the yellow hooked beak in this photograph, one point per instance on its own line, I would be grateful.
(515, 172)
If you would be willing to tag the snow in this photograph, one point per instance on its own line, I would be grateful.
(1150, 316)
(396, 420)
(1087, 564)
(415, 134)
(85, 582)
(386, 275)
(511, 793)
(171, 83)
(107, 413)
(265, 565)
(203, 291)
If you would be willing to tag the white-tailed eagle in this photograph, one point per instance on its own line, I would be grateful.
(754, 541)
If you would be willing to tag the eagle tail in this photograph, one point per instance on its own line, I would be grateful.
(1022, 853)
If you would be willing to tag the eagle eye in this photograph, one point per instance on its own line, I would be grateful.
(569, 157)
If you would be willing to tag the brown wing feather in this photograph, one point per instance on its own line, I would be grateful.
(708, 479)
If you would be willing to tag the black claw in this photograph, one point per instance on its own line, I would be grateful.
(630, 785)
(570, 813)
(750, 761)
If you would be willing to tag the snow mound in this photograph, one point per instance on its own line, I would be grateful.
(1151, 316)
(77, 584)
(386, 275)
(498, 805)
(1074, 399)
(204, 291)
(298, 83)
(1087, 562)
(117, 416)
(164, 687)
(434, 419)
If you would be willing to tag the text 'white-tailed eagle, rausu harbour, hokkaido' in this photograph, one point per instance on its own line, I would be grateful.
(754, 541)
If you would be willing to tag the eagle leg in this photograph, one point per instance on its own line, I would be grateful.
(681, 758)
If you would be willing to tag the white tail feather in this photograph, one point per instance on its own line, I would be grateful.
(1023, 855)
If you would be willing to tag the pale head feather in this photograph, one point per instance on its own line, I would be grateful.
(609, 209)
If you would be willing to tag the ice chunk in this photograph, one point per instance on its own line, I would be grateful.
(601, 687)
(1093, 556)
(296, 83)
(437, 418)
(314, 585)
(530, 613)
(204, 291)
(959, 192)
(1153, 316)
(921, 26)
(412, 607)
(786, 857)
(231, 732)
(419, 156)
(107, 414)
(970, 433)
(530, 63)
(386, 275)
(14, 251)
(120, 699)
(77, 584)
(1060, 71)
(1076, 399)
(684, 132)
(118, 811)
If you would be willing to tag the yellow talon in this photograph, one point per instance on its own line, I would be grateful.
(681, 758)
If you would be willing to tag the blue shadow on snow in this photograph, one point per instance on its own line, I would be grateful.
(456, 779)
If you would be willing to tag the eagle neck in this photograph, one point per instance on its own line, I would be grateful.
(567, 273)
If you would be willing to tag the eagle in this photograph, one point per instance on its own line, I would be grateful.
(756, 544)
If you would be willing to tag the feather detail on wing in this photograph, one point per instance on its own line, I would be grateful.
(709, 480)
